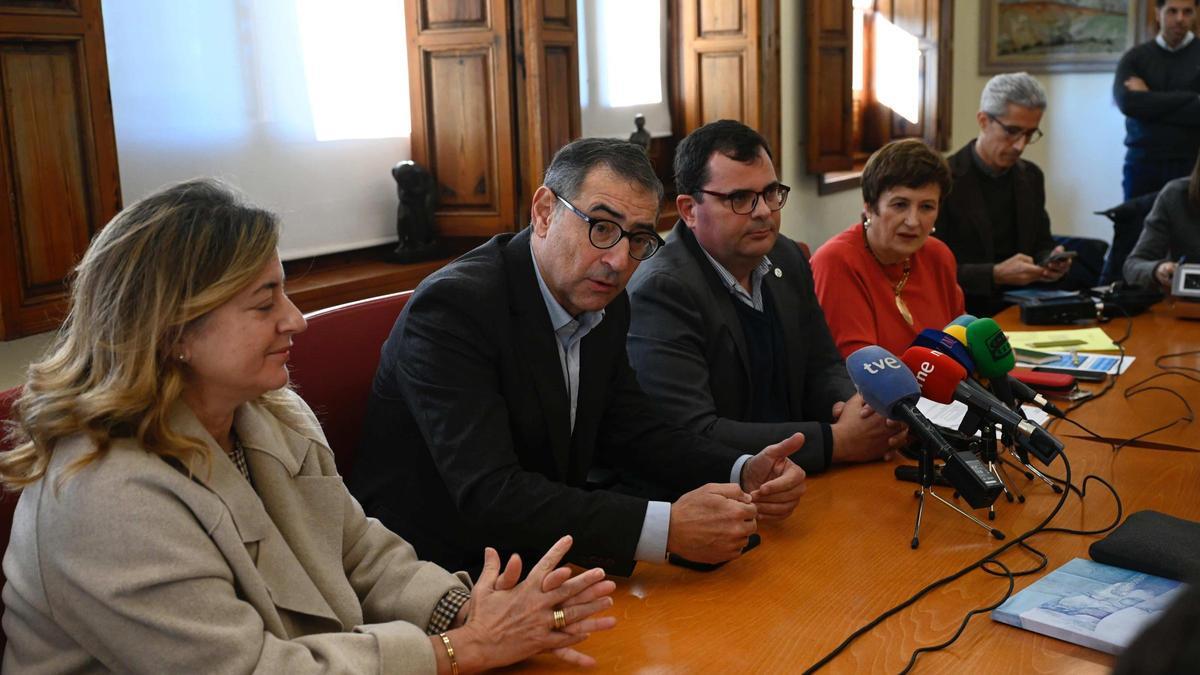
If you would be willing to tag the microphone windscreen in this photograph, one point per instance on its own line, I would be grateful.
(989, 347)
(946, 344)
(964, 321)
(882, 379)
(937, 374)
(958, 333)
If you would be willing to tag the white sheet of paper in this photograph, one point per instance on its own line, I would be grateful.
(951, 415)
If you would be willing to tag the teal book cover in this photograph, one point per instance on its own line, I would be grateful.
(1090, 604)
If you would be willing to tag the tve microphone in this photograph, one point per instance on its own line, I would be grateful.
(946, 344)
(943, 380)
(890, 389)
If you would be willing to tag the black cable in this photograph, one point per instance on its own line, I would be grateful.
(943, 581)
(912, 660)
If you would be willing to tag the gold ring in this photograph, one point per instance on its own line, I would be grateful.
(560, 619)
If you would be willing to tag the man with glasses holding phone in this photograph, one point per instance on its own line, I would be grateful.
(727, 335)
(994, 218)
(505, 382)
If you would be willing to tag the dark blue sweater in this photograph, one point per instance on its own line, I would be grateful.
(1165, 121)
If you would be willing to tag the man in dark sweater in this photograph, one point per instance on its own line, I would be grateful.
(994, 218)
(1157, 86)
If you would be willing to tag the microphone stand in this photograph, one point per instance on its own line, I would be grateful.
(927, 469)
(1022, 455)
(989, 455)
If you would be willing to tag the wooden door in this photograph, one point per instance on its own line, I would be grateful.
(58, 155)
(460, 81)
(728, 65)
(547, 88)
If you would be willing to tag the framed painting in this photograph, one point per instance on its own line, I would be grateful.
(1058, 35)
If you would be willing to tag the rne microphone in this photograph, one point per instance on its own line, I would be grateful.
(943, 380)
(891, 390)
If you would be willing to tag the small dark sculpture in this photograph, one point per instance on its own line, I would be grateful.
(414, 217)
(641, 136)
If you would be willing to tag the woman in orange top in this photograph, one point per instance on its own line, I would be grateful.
(882, 281)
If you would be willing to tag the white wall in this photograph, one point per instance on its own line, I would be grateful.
(1081, 154)
(225, 88)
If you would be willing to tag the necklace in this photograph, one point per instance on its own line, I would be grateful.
(901, 306)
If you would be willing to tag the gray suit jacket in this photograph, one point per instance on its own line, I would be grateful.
(129, 565)
(687, 346)
(1172, 230)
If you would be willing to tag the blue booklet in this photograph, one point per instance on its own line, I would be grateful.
(1090, 604)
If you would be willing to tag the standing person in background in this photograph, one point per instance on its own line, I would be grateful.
(883, 280)
(1157, 87)
(995, 219)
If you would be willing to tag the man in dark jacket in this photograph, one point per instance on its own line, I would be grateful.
(505, 381)
(994, 219)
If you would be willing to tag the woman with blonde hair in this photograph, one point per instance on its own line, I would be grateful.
(180, 510)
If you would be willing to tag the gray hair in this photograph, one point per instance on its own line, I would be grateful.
(1015, 88)
(573, 162)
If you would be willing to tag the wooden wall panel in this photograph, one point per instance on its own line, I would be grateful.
(462, 148)
(561, 69)
(40, 7)
(722, 87)
(720, 17)
(46, 141)
(559, 13)
(58, 154)
(453, 14)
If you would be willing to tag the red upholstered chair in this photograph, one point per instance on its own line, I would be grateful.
(8, 502)
(334, 362)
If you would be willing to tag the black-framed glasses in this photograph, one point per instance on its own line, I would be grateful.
(605, 234)
(1014, 132)
(743, 202)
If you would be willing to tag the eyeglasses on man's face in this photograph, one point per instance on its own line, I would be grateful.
(1014, 132)
(605, 234)
(743, 202)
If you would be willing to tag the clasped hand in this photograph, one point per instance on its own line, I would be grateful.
(509, 621)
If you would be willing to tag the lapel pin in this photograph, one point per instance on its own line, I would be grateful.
(778, 273)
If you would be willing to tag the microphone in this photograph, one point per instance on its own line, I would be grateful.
(943, 380)
(963, 320)
(990, 339)
(993, 355)
(957, 332)
(889, 388)
(946, 344)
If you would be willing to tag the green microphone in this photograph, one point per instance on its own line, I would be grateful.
(990, 349)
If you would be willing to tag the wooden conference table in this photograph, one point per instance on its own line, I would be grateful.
(844, 557)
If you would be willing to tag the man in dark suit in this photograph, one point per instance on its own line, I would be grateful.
(505, 381)
(994, 218)
(726, 331)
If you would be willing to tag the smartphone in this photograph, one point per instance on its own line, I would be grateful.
(751, 542)
(1081, 375)
(1056, 256)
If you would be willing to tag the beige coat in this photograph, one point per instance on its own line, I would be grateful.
(131, 566)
